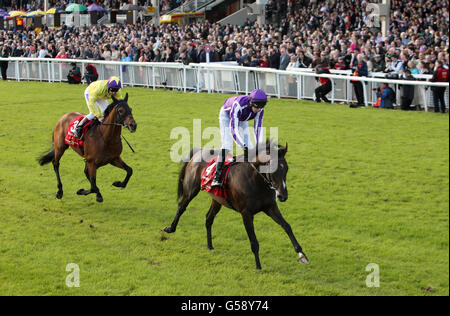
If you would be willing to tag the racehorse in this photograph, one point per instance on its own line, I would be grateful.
(249, 192)
(102, 145)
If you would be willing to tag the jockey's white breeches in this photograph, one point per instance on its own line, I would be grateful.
(226, 133)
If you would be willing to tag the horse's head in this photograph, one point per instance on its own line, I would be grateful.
(275, 167)
(124, 115)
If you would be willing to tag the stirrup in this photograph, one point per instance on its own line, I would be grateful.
(78, 132)
(216, 183)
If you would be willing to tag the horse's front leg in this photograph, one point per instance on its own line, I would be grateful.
(247, 217)
(213, 210)
(91, 174)
(119, 163)
(275, 214)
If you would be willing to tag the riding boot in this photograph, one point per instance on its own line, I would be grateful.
(220, 161)
(79, 129)
(245, 154)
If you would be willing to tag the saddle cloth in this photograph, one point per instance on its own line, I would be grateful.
(208, 176)
(70, 139)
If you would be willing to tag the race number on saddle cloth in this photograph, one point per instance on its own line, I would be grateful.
(70, 138)
(208, 176)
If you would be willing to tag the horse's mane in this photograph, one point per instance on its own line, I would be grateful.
(113, 105)
(270, 146)
(271, 143)
(109, 109)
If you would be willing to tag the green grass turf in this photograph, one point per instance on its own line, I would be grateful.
(365, 186)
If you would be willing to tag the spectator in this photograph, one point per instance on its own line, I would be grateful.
(293, 63)
(4, 53)
(303, 61)
(340, 65)
(158, 56)
(62, 54)
(395, 65)
(274, 57)
(385, 96)
(326, 85)
(91, 74)
(378, 64)
(360, 70)
(264, 62)
(43, 53)
(441, 74)
(284, 59)
(74, 76)
(407, 92)
(115, 54)
(229, 54)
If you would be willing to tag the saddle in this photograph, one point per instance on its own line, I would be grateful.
(208, 176)
(70, 139)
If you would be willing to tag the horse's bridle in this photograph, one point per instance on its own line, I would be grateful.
(118, 118)
(267, 180)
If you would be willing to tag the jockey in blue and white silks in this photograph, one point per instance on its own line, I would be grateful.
(233, 118)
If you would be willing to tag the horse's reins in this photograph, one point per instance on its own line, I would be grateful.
(117, 124)
(267, 181)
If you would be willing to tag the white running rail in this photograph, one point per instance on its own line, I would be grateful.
(219, 78)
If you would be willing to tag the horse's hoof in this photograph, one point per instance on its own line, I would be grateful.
(168, 229)
(302, 258)
(59, 195)
(99, 199)
(82, 192)
(118, 184)
(211, 248)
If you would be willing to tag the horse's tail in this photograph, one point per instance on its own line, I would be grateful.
(47, 158)
(183, 173)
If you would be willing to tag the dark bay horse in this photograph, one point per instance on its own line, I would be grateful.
(102, 145)
(250, 191)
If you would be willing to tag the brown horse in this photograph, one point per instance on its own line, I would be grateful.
(102, 145)
(250, 191)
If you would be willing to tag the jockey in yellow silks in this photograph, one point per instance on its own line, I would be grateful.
(97, 95)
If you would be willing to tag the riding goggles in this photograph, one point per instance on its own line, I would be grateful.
(259, 104)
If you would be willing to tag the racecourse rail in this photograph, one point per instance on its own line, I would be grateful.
(297, 83)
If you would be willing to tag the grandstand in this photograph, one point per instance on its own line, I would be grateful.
(243, 33)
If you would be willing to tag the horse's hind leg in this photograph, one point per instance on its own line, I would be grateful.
(60, 148)
(213, 210)
(275, 214)
(181, 208)
(119, 163)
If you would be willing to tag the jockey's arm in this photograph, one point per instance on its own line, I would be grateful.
(91, 104)
(234, 126)
(258, 127)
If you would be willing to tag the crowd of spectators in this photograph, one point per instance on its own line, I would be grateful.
(165, 5)
(310, 33)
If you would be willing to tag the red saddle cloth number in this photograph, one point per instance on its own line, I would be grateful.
(70, 139)
(208, 176)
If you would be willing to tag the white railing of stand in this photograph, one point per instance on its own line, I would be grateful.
(297, 83)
